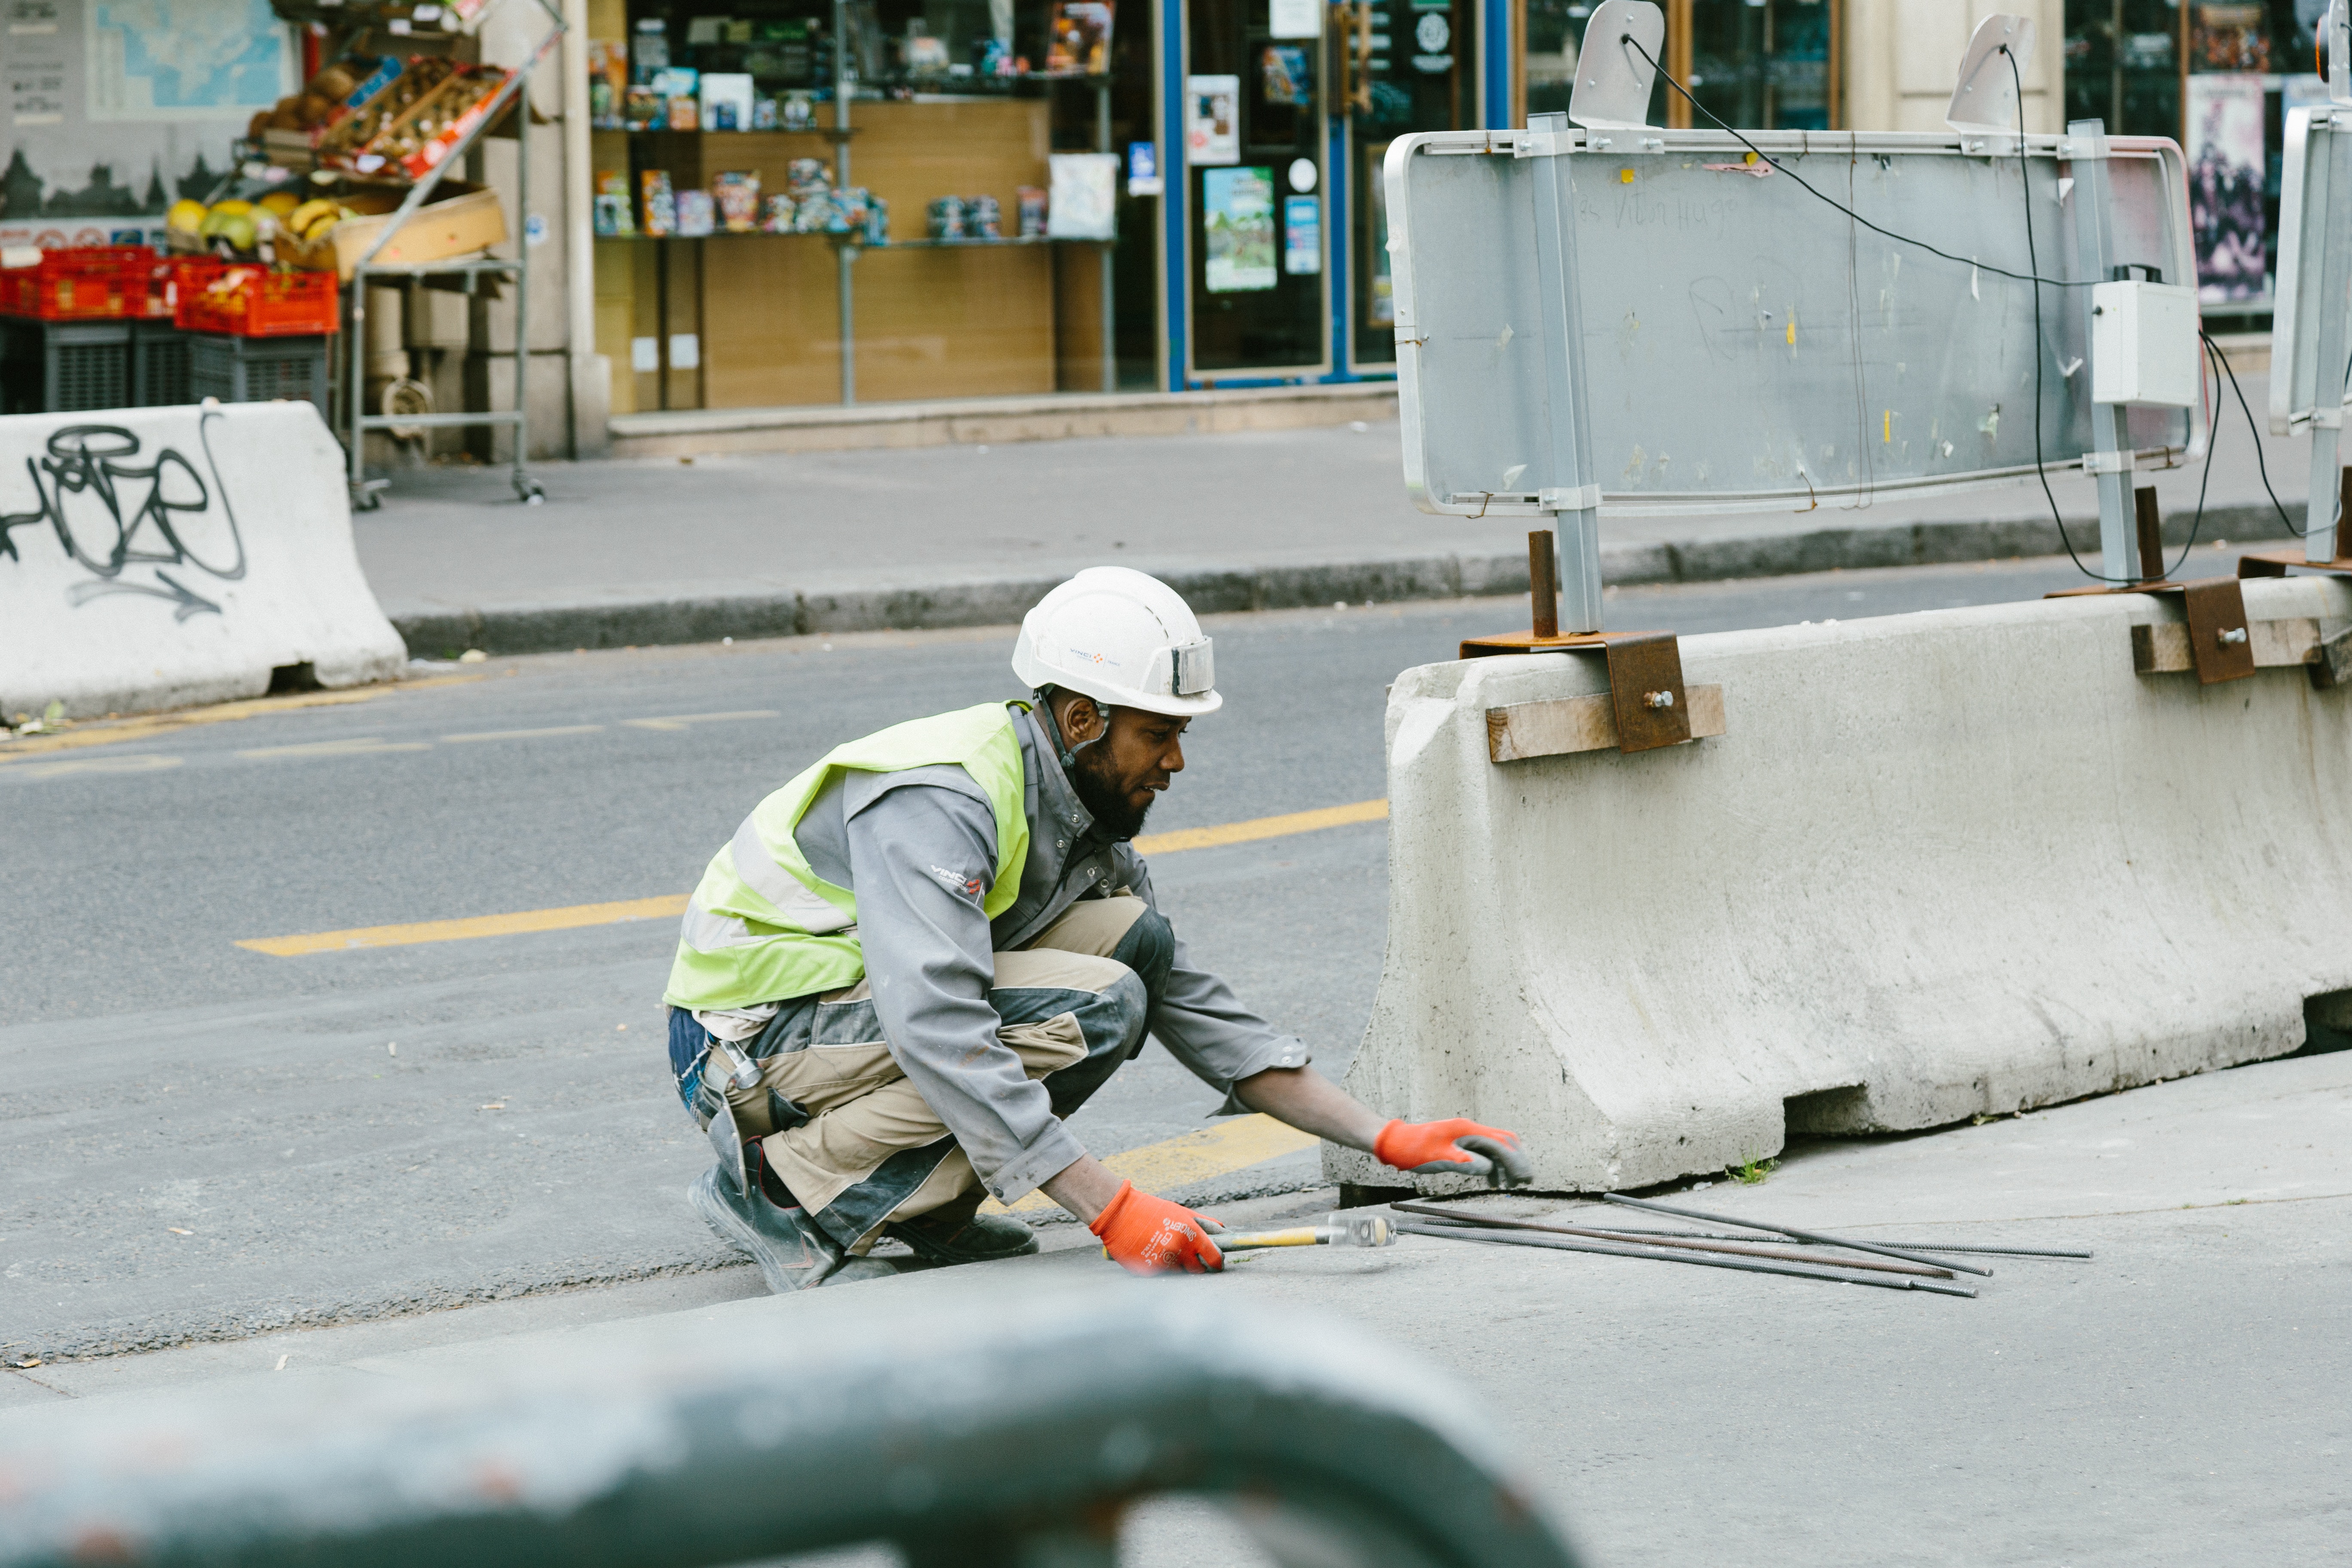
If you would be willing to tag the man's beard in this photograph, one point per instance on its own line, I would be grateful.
(1107, 803)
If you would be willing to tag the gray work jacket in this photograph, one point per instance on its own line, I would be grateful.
(914, 846)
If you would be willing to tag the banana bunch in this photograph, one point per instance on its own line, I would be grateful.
(313, 218)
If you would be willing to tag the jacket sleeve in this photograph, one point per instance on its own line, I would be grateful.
(923, 857)
(1198, 1017)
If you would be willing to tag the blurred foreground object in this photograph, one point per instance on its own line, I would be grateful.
(1012, 1444)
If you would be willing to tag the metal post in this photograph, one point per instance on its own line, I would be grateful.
(2336, 296)
(845, 256)
(2110, 422)
(1109, 246)
(1573, 494)
(525, 492)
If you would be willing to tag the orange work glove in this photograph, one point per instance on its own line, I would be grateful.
(1454, 1147)
(1145, 1234)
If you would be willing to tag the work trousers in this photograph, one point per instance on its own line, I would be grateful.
(1072, 1004)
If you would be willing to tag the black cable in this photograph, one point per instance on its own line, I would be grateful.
(2262, 466)
(2033, 261)
(1899, 238)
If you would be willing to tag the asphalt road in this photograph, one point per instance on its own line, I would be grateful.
(199, 1140)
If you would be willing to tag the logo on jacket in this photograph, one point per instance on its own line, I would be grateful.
(957, 882)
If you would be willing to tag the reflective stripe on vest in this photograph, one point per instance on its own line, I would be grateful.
(762, 926)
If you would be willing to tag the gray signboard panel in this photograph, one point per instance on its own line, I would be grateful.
(1746, 344)
(2314, 289)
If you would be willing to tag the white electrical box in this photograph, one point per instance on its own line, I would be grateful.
(2144, 344)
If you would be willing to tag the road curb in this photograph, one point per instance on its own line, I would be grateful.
(443, 631)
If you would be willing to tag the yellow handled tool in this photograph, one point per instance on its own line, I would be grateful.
(1340, 1229)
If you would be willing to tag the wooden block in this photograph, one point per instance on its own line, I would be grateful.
(2163, 648)
(1570, 725)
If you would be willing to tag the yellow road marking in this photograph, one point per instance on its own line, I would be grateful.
(668, 905)
(113, 733)
(1262, 827)
(125, 763)
(353, 746)
(578, 915)
(680, 720)
(1233, 1145)
(524, 734)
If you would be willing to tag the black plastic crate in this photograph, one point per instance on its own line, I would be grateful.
(256, 370)
(65, 367)
(159, 366)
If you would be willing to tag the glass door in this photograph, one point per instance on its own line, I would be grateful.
(1253, 158)
(1404, 64)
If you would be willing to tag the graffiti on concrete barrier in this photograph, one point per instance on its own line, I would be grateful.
(132, 525)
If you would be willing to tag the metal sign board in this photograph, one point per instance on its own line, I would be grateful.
(2313, 294)
(1741, 344)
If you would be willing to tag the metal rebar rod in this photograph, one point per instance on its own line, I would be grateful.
(1919, 1245)
(1607, 1249)
(1739, 1248)
(1812, 1236)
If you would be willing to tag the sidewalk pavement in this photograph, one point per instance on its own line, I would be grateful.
(2175, 1398)
(652, 551)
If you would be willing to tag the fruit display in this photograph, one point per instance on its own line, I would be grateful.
(239, 229)
(418, 81)
(324, 100)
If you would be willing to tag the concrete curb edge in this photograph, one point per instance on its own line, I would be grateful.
(436, 631)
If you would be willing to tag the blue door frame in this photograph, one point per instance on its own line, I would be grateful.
(1494, 79)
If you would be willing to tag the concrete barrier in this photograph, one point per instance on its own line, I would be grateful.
(156, 557)
(1940, 865)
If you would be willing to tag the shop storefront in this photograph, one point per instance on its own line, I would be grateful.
(2221, 79)
(1002, 197)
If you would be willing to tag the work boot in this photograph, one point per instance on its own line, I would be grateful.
(958, 1233)
(791, 1252)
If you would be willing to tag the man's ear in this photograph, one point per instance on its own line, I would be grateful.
(1081, 720)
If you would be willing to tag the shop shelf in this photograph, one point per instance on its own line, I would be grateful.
(255, 302)
(240, 368)
(65, 367)
(86, 283)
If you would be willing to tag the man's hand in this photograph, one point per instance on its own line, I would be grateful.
(1454, 1147)
(1145, 1234)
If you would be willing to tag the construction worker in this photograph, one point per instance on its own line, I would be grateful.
(913, 961)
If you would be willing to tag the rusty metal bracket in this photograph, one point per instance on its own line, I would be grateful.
(1649, 702)
(2220, 643)
(2275, 562)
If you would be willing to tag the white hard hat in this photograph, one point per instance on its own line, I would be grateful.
(1125, 640)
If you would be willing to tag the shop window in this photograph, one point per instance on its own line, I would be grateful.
(2218, 79)
(1757, 64)
(755, 250)
(1411, 66)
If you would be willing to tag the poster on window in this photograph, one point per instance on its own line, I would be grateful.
(2225, 185)
(1302, 236)
(1237, 222)
(1213, 118)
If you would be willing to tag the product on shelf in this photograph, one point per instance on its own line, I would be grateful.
(983, 218)
(878, 221)
(608, 82)
(778, 215)
(763, 114)
(1078, 37)
(726, 100)
(695, 212)
(645, 109)
(657, 212)
(611, 211)
(737, 197)
(947, 217)
(1033, 210)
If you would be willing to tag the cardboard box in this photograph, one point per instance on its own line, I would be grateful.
(454, 226)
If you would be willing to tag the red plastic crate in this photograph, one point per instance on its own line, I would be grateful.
(86, 283)
(256, 302)
(173, 279)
